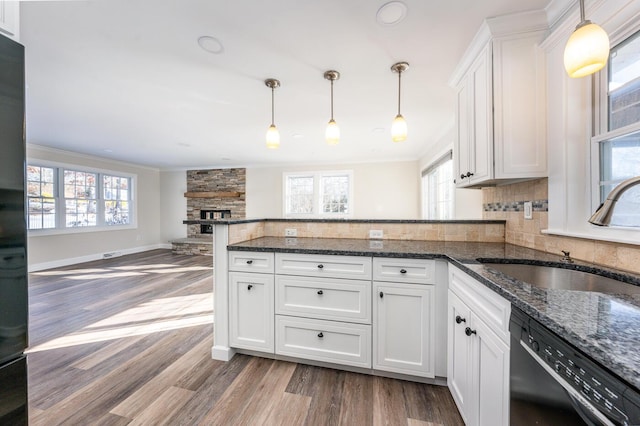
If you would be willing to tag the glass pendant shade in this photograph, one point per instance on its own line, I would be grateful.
(587, 50)
(332, 134)
(399, 129)
(273, 137)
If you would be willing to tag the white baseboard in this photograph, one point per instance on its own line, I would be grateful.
(90, 257)
(222, 353)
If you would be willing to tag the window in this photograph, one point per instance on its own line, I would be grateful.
(91, 199)
(618, 144)
(318, 194)
(41, 200)
(438, 189)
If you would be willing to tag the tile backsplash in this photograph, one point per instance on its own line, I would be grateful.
(507, 203)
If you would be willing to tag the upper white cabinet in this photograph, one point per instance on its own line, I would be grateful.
(500, 118)
(10, 19)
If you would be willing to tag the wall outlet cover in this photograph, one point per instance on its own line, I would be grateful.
(290, 232)
(528, 210)
(376, 234)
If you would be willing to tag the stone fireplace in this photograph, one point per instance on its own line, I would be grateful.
(211, 194)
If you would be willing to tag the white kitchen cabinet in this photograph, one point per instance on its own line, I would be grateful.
(403, 328)
(478, 356)
(10, 19)
(327, 266)
(500, 120)
(251, 311)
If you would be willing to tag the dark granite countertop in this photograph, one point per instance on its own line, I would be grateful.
(603, 326)
(232, 221)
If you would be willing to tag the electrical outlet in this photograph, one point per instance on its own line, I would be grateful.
(376, 234)
(375, 245)
(290, 232)
(528, 210)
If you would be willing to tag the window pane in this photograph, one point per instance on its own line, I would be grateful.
(335, 194)
(80, 213)
(624, 83)
(439, 192)
(79, 185)
(40, 202)
(620, 160)
(299, 195)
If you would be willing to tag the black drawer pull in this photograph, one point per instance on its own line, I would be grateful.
(249, 262)
(320, 266)
(320, 335)
(320, 292)
(462, 176)
(459, 319)
(381, 295)
(403, 271)
(249, 287)
(468, 331)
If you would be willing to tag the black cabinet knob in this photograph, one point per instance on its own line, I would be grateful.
(249, 262)
(320, 266)
(403, 271)
(462, 176)
(468, 331)
(535, 346)
(320, 335)
(459, 319)
(381, 295)
(320, 292)
(249, 287)
(469, 174)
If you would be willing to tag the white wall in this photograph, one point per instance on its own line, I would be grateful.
(381, 190)
(468, 202)
(56, 250)
(173, 205)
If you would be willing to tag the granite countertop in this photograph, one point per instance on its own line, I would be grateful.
(604, 326)
(235, 221)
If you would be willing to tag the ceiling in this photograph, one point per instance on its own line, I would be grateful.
(127, 80)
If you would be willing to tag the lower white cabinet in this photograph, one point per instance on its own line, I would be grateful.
(403, 328)
(251, 311)
(320, 340)
(478, 360)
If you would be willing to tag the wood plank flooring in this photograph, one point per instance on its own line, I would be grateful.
(127, 341)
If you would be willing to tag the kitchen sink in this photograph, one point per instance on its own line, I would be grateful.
(563, 279)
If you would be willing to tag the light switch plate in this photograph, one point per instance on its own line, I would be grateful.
(376, 234)
(528, 210)
(290, 232)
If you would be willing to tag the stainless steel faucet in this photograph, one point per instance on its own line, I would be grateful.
(602, 216)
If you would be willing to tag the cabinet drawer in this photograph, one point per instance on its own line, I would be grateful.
(328, 341)
(251, 261)
(324, 265)
(324, 298)
(490, 307)
(418, 271)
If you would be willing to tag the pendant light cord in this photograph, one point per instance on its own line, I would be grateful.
(581, 11)
(399, 87)
(272, 107)
(331, 99)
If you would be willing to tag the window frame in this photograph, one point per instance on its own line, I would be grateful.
(600, 125)
(60, 199)
(440, 161)
(317, 195)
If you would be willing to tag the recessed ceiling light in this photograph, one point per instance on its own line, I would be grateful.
(184, 144)
(391, 13)
(107, 150)
(297, 136)
(378, 130)
(211, 44)
(225, 159)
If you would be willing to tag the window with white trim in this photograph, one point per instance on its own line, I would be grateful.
(438, 189)
(68, 197)
(318, 194)
(617, 139)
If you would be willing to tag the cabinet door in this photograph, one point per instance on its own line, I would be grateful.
(403, 328)
(491, 377)
(463, 127)
(481, 155)
(251, 316)
(459, 356)
(10, 18)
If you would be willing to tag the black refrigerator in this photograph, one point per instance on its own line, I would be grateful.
(13, 236)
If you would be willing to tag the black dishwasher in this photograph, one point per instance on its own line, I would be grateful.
(552, 383)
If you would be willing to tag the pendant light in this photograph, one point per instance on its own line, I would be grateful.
(273, 135)
(587, 49)
(399, 125)
(332, 135)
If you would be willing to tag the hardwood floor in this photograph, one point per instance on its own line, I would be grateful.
(127, 341)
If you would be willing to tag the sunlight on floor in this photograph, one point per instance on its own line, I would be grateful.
(163, 314)
(120, 271)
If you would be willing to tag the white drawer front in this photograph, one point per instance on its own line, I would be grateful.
(250, 261)
(418, 271)
(329, 266)
(324, 298)
(328, 341)
(490, 307)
